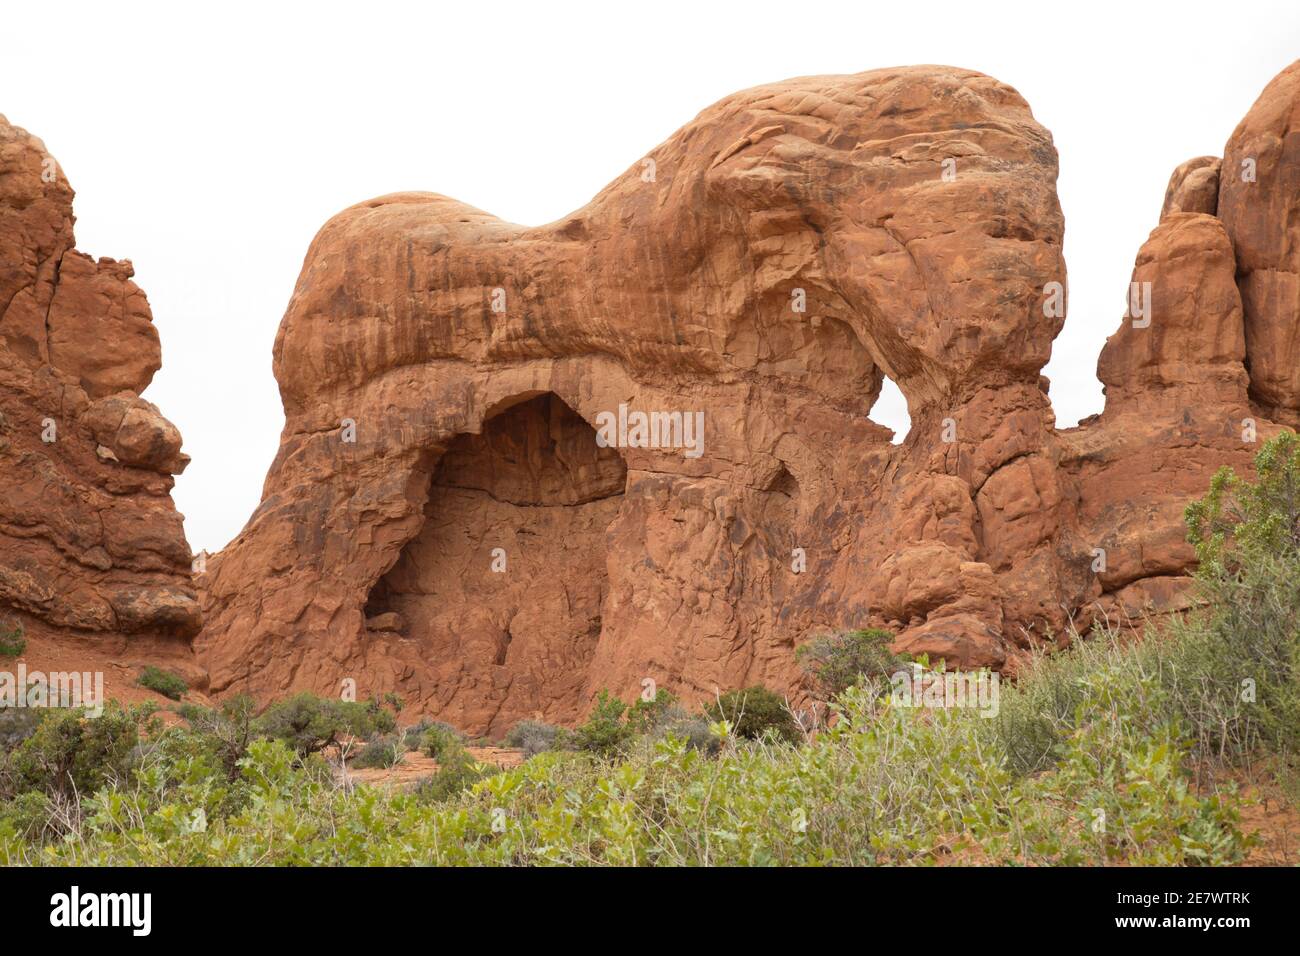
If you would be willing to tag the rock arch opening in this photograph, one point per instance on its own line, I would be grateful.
(890, 410)
(501, 590)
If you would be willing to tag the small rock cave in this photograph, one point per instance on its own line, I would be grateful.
(780, 512)
(501, 590)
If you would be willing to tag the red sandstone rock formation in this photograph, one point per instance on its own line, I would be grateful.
(446, 517)
(1259, 203)
(90, 543)
(1194, 187)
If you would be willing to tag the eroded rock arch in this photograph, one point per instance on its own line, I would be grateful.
(911, 215)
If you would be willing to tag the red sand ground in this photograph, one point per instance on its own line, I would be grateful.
(415, 766)
(120, 661)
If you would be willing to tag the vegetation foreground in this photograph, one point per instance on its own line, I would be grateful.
(1113, 751)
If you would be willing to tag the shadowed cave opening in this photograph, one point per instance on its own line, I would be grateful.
(502, 587)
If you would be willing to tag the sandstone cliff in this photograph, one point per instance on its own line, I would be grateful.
(91, 546)
(465, 508)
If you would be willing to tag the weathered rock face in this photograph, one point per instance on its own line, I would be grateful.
(1193, 187)
(90, 543)
(1259, 203)
(1176, 410)
(523, 464)
(1197, 347)
(1199, 372)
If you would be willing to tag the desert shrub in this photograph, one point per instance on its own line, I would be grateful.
(604, 732)
(440, 741)
(70, 753)
(310, 724)
(383, 752)
(305, 722)
(612, 727)
(457, 769)
(663, 717)
(695, 732)
(451, 778)
(413, 735)
(884, 784)
(836, 662)
(189, 767)
(1227, 675)
(1239, 685)
(230, 728)
(26, 816)
(1240, 523)
(755, 712)
(535, 736)
(16, 725)
(366, 718)
(12, 641)
(645, 716)
(163, 682)
(1193, 674)
(1030, 725)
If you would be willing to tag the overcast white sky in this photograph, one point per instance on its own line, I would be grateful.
(208, 145)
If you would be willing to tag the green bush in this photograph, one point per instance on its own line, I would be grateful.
(70, 753)
(645, 716)
(457, 769)
(1240, 523)
(535, 736)
(16, 725)
(229, 728)
(27, 815)
(1228, 675)
(163, 682)
(756, 712)
(604, 732)
(1240, 684)
(413, 735)
(310, 724)
(381, 753)
(884, 784)
(695, 732)
(663, 718)
(12, 641)
(451, 779)
(836, 662)
(440, 741)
